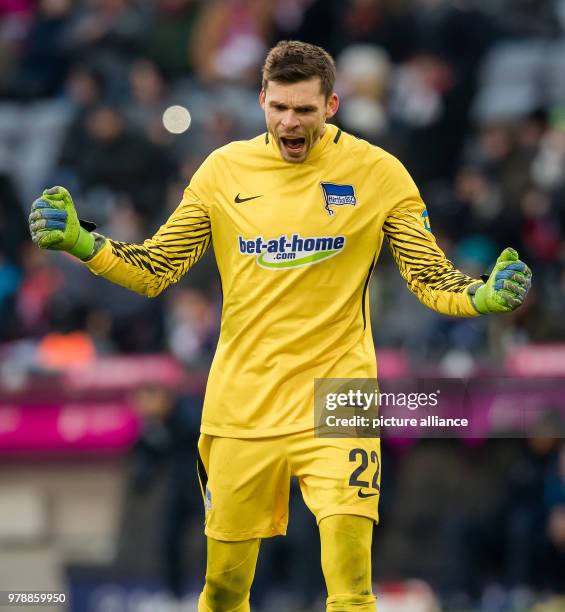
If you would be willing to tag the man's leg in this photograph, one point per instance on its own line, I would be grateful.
(346, 562)
(230, 569)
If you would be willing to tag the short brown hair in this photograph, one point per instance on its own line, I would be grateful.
(291, 61)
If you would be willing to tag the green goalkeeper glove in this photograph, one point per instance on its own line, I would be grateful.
(506, 287)
(54, 224)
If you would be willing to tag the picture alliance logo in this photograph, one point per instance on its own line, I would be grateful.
(288, 252)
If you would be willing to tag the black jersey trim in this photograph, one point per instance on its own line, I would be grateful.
(266, 137)
(337, 137)
(372, 267)
(202, 475)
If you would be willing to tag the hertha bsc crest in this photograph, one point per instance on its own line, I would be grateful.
(338, 195)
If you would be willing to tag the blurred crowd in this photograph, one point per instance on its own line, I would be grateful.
(470, 95)
(514, 547)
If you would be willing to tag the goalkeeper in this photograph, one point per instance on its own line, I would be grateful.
(298, 216)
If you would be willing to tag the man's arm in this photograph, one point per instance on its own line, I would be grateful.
(146, 268)
(429, 274)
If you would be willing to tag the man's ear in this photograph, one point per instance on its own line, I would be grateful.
(332, 106)
(262, 95)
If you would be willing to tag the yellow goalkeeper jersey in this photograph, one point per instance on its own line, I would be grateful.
(295, 245)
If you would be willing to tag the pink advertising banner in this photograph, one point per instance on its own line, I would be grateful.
(78, 427)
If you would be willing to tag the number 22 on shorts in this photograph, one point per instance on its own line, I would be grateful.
(360, 455)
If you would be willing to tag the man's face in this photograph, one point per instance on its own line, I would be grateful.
(296, 114)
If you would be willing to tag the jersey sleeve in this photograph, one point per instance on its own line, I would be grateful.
(425, 268)
(164, 259)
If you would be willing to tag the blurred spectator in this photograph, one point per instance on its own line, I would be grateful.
(551, 571)
(430, 102)
(507, 546)
(169, 44)
(46, 53)
(110, 33)
(479, 210)
(170, 437)
(335, 24)
(548, 168)
(42, 280)
(524, 18)
(10, 278)
(84, 89)
(16, 17)
(149, 95)
(13, 224)
(98, 326)
(104, 152)
(192, 328)
(231, 39)
(110, 27)
(288, 16)
(85, 86)
(501, 159)
(461, 31)
(540, 227)
(137, 324)
(58, 351)
(364, 81)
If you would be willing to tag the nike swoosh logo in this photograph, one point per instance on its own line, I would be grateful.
(239, 200)
(363, 495)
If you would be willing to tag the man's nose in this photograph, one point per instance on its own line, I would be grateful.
(290, 120)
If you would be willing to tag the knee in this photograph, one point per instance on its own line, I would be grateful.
(227, 591)
(229, 575)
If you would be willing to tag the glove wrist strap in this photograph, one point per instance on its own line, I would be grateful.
(478, 300)
(473, 292)
(84, 245)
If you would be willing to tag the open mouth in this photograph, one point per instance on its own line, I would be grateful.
(292, 144)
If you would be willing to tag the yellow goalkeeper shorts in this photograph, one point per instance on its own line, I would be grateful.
(245, 482)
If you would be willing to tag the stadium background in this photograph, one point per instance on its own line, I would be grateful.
(100, 389)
